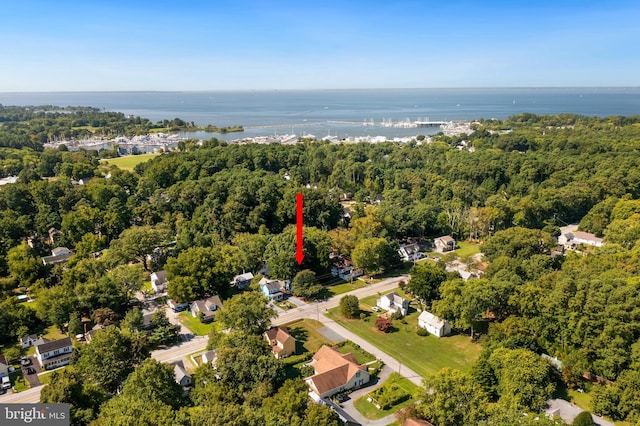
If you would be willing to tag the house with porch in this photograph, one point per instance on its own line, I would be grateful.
(26, 341)
(334, 372)
(273, 289)
(410, 252)
(54, 353)
(159, 282)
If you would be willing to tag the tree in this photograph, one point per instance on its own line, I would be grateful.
(517, 242)
(110, 357)
(129, 410)
(451, 398)
(23, 265)
(135, 244)
(306, 285)
(583, 419)
(154, 381)
(69, 387)
(280, 252)
(524, 380)
(349, 306)
(246, 311)
(373, 255)
(132, 320)
(426, 278)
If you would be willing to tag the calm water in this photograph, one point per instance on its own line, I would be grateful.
(342, 112)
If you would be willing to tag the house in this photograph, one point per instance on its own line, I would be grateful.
(281, 342)
(159, 281)
(434, 325)
(4, 373)
(416, 422)
(181, 376)
(273, 289)
(392, 302)
(242, 281)
(4, 367)
(177, 306)
(444, 244)
(58, 256)
(207, 307)
(26, 341)
(410, 252)
(343, 267)
(334, 372)
(210, 357)
(570, 237)
(55, 353)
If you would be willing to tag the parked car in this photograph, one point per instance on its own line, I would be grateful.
(342, 397)
(25, 361)
(375, 309)
(31, 370)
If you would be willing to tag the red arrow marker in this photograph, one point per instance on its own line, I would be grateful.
(299, 253)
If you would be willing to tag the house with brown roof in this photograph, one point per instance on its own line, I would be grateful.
(281, 342)
(55, 353)
(343, 267)
(335, 372)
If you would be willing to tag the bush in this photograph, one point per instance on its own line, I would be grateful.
(388, 396)
(397, 315)
(422, 332)
(583, 419)
(383, 324)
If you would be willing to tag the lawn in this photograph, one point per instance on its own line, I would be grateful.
(465, 249)
(345, 287)
(308, 339)
(45, 378)
(371, 412)
(360, 354)
(194, 324)
(423, 354)
(18, 381)
(128, 162)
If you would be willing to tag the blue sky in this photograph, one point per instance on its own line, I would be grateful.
(245, 44)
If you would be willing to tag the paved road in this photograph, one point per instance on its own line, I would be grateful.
(199, 343)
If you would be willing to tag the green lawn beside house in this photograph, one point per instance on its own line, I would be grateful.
(129, 162)
(371, 412)
(194, 324)
(423, 354)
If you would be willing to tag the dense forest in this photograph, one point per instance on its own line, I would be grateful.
(213, 210)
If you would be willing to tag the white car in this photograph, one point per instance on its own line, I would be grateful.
(375, 309)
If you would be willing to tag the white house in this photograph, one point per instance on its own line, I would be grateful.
(207, 307)
(4, 373)
(26, 341)
(55, 353)
(58, 256)
(444, 244)
(570, 237)
(242, 281)
(159, 281)
(434, 325)
(392, 302)
(210, 357)
(410, 252)
(343, 267)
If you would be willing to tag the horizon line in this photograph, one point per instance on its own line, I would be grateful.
(325, 89)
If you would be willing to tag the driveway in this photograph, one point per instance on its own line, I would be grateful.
(32, 379)
(185, 333)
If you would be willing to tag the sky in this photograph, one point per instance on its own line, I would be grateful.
(192, 45)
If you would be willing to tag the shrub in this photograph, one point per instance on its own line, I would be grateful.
(422, 332)
(583, 419)
(383, 324)
(349, 306)
(397, 315)
(388, 396)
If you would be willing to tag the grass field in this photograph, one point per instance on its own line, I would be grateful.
(194, 324)
(128, 162)
(423, 354)
(371, 412)
(360, 354)
(345, 287)
(18, 381)
(308, 339)
(465, 249)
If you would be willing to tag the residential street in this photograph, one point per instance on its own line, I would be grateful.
(313, 311)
